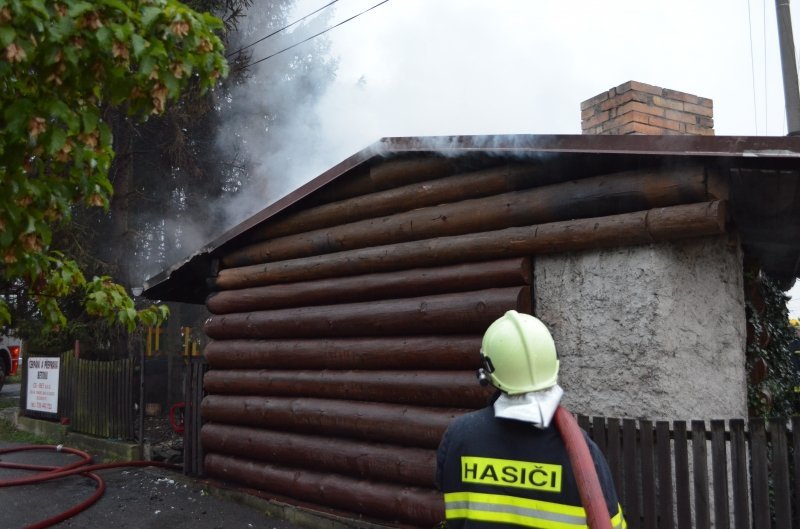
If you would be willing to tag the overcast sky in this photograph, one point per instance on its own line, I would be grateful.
(437, 67)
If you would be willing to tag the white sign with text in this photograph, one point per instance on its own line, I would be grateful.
(43, 384)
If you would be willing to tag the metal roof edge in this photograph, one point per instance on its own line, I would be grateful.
(724, 146)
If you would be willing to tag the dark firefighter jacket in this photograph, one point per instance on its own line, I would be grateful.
(505, 473)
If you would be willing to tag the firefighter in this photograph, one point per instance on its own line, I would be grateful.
(506, 465)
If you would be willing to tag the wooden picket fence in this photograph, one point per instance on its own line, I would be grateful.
(192, 447)
(98, 397)
(722, 474)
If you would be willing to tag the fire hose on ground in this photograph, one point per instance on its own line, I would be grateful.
(83, 467)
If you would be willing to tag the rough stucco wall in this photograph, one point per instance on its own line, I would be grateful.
(653, 332)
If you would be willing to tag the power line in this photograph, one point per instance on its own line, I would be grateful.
(312, 36)
(752, 67)
(262, 39)
(766, 93)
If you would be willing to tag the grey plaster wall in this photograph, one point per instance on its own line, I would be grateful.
(652, 331)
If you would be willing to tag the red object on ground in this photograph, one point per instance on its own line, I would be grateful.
(175, 421)
(592, 498)
(83, 466)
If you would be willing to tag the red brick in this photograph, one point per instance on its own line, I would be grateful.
(621, 99)
(668, 103)
(624, 119)
(595, 120)
(640, 87)
(699, 109)
(588, 112)
(682, 96)
(599, 98)
(664, 123)
(699, 131)
(640, 107)
(681, 116)
(638, 128)
(705, 122)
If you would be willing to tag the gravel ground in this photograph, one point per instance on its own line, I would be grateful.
(134, 498)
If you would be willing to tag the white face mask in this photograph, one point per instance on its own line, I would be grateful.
(536, 407)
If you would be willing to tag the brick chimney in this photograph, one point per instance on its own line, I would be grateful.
(638, 108)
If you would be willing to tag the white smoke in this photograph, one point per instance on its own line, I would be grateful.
(271, 117)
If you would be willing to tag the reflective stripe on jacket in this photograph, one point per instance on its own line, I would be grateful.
(505, 473)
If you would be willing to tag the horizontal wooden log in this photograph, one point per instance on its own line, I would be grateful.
(427, 352)
(451, 389)
(629, 229)
(589, 197)
(459, 313)
(391, 503)
(491, 181)
(386, 174)
(368, 421)
(373, 461)
(406, 283)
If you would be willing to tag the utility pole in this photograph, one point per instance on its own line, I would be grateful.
(788, 66)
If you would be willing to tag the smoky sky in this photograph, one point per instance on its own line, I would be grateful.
(442, 67)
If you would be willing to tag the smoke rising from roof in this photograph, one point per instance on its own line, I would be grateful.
(270, 117)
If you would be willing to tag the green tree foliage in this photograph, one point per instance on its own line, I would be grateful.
(65, 65)
(773, 378)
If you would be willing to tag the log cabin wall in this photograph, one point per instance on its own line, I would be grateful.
(345, 331)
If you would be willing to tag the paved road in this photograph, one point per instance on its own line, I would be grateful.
(135, 498)
(10, 390)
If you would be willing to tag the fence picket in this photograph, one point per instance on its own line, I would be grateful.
(664, 458)
(599, 433)
(193, 450)
(780, 473)
(648, 474)
(631, 472)
(759, 478)
(700, 469)
(683, 501)
(796, 467)
(741, 491)
(719, 466)
(583, 422)
(614, 455)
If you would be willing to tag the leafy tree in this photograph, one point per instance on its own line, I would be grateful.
(67, 66)
(773, 377)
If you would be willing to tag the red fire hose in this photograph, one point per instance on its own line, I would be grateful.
(83, 467)
(592, 498)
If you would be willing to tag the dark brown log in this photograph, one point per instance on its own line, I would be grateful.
(406, 283)
(379, 462)
(590, 197)
(411, 505)
(451, 389)
(629, 229)
(460, 313)
(454, 188)
(386, 174)
(451, 352)
(369, 421)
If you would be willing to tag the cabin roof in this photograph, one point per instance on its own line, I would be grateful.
(764, 176)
